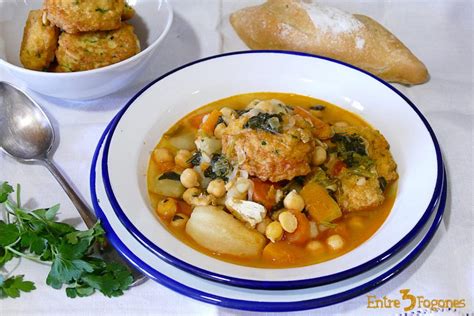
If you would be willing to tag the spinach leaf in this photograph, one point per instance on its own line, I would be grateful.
(170, 176)
(266, 122)
(351, 149)
(220, 167)
(195, 159)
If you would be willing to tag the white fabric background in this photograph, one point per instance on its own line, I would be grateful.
(439, 32)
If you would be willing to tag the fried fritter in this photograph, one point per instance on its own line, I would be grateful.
(39, 42)
(268, 155)
(128, 12)
(361, 187)
(357, 193)
(91, 50)
(378, 149)
(74, 16)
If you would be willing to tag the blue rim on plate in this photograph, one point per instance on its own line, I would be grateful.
(214, 299)
(258, 284)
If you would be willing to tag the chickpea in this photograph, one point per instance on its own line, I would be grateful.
(189, 178)
(182, 157)
(162, 155)
(319, 156)
(335, 242)
(217, 188)
(219, 130)
(288, 221)
(194, 196)
(190, 194)
(274, 231)
(167, 208)
(179, 220)
(293, 201)
(315, 246)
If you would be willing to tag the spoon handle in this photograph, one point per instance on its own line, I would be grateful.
(85, 212)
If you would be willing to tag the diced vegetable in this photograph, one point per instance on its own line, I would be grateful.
(196, 120)
(184, 208)
(283, 252)
(320, 205)
(263, 193)
(167, 187)
(218, 231)
(211, 122)
(303, 231)
(183, 141)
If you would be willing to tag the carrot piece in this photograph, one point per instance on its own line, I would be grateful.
(263, 193)
(322, 130)
(302, 233)
(320, 205)
(282, 252)
(337, 168)
(196, 120)
(184, 208)
(210, 124)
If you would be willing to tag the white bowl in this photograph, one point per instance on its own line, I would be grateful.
(140, 125)
(152, 21)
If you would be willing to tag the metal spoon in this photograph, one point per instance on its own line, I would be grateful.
(27, 135)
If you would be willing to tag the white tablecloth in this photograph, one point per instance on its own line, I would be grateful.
(440, 33)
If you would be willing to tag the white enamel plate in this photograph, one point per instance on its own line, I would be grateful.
(140, 125)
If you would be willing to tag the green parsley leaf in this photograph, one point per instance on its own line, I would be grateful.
(12, 286)
(5, 190)
(37, 236)
(8, 234)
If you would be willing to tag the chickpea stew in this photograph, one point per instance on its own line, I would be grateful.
(272, 180)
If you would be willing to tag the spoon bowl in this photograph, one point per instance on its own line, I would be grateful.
(25, 131)
(27, 135)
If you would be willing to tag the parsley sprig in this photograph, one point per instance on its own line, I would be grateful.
(35, 235)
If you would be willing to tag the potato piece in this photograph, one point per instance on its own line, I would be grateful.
(168, 187)
(320, 205)
(218, 231)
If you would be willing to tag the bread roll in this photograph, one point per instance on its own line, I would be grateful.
(309, 27)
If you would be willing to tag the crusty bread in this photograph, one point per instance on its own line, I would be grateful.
(308, 27)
